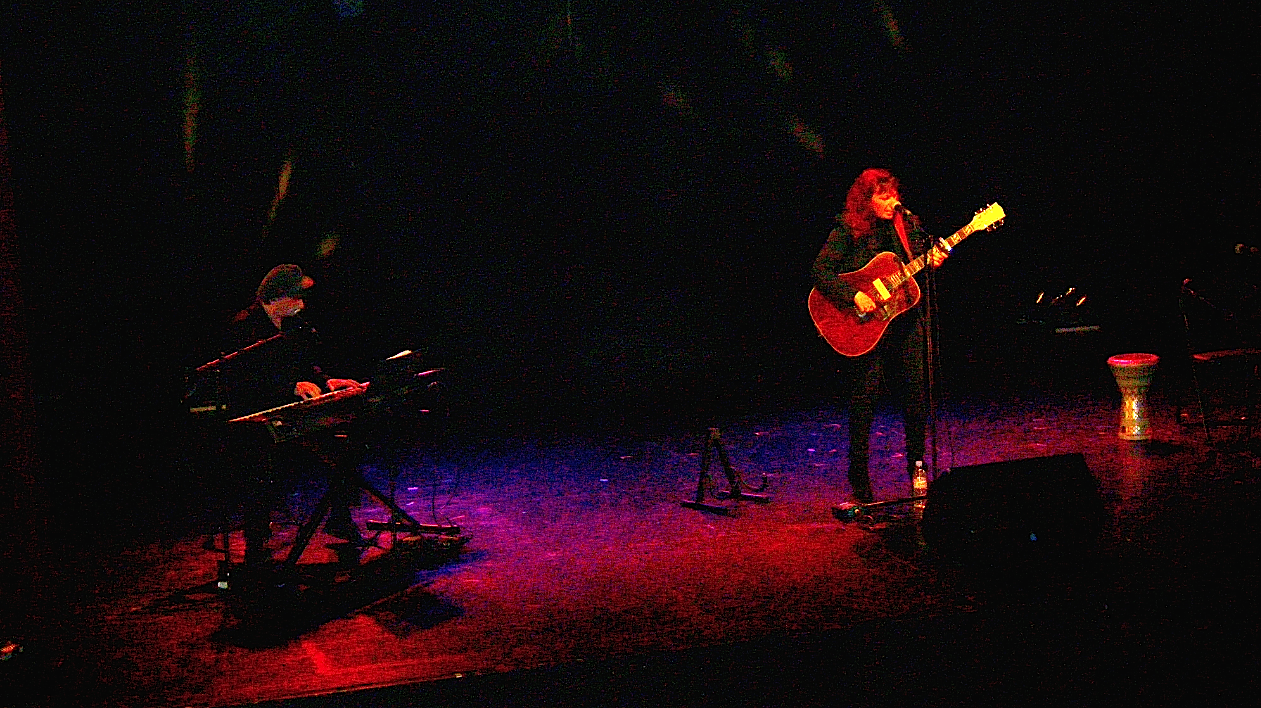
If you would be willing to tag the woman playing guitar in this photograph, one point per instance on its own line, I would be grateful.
(874, 223)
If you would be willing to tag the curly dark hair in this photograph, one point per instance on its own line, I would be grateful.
(858, 215)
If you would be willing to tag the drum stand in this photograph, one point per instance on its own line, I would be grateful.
(734, 491)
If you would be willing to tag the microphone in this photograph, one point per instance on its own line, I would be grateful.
(303, 327)
(901, 208)
(1186, 288)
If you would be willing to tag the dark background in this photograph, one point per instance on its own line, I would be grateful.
(600, 216)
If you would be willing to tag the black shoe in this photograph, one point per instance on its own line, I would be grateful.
(348, 553)
(358, 544)
(862, 495)
(345, 530)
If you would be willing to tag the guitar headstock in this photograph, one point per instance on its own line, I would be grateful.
(989, 218)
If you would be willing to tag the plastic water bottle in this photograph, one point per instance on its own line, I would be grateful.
(919, 488)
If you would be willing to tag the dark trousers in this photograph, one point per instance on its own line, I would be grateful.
(258, 473)
(897, 362)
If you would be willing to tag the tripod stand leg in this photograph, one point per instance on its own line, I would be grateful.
(224, 569)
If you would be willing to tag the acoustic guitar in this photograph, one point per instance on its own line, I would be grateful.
(891, 286)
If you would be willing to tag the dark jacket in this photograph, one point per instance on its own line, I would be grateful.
(264, 377)
(843, 254)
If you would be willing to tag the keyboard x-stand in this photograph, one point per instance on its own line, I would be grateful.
(299, 419)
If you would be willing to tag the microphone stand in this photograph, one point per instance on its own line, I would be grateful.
(216, 407)
(930, 347)
(229, 357)
(219, 405)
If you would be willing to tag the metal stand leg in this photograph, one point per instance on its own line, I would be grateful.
(307, 531)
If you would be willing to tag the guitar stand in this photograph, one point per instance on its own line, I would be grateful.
(714, 441)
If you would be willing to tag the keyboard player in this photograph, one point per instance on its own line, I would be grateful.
(282, 369)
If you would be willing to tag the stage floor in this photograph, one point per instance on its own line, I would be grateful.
(587, 582)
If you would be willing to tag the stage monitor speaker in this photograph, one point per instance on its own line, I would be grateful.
(1013, 513)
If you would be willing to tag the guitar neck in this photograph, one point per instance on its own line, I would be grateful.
(915, 266)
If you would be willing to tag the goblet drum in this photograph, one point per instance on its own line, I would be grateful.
(1133, 373)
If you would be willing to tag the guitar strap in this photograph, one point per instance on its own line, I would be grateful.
(899, 225)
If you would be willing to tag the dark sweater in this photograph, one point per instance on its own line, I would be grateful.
(843, 254)
(264, 377)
